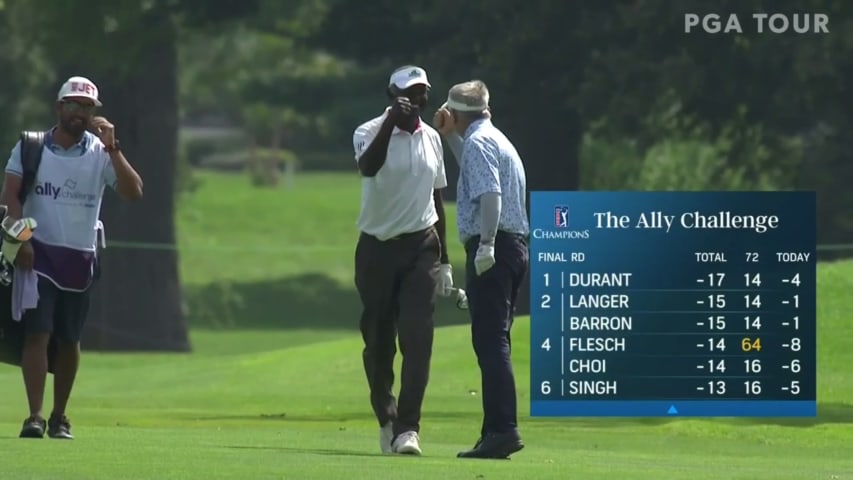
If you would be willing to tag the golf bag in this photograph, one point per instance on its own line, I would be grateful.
(11, 331)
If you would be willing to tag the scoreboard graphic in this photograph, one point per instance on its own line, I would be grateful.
(697, 304)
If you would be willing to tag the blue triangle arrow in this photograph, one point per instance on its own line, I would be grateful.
(672, 410)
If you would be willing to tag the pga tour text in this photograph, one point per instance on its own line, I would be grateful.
(757, 23)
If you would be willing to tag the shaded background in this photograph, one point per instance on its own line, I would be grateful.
(597, 95)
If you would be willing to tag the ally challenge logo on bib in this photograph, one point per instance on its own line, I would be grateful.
(65, 193)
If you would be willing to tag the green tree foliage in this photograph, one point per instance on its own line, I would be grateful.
(266, 76)
(767, 108)
(128, 48)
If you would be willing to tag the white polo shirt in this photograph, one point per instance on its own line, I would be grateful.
(399, 199)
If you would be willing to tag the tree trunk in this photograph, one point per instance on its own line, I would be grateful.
(136, 304)
(253, 162)
(271, 161)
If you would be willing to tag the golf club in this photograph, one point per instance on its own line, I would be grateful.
(461, 298)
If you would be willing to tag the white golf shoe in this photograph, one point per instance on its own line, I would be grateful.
(386, 434)
(407, 443)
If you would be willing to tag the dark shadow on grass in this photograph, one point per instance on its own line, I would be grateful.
(338, 418)
(310, 451)
(314, 301)
(602, 422)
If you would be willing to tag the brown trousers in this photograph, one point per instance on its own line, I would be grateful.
(396, 280)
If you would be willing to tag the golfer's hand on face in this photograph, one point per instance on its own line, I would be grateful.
(485, 258)
(443, 121)
(401, 109)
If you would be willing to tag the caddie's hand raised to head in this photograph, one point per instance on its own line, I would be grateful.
(105, 130)
(401, 109)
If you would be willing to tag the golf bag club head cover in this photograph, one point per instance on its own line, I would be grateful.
(15, 233)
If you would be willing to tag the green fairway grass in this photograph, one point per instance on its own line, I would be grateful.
(277, 391)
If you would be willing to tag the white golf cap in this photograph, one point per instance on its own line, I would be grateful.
(79, 87)
(407, 76)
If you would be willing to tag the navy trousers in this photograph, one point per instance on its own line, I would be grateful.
(491, 305)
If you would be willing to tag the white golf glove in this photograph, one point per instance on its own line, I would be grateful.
(485, 258)
(445, 280)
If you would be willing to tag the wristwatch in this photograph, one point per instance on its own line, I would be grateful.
(112, 148)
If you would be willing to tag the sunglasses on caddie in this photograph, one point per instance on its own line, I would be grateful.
(77, 107)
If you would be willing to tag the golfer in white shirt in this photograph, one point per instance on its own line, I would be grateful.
(401, 260)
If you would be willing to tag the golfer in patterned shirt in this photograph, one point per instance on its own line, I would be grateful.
(493, 225)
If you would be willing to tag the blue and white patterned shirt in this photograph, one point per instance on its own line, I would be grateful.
(490, 163)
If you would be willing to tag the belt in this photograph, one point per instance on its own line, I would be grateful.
(475, 240)
(402, 236)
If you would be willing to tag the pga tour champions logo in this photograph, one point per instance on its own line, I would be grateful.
(559, 229)
(561, 216)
